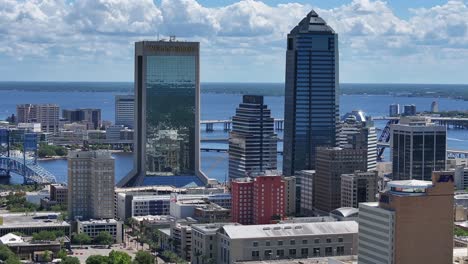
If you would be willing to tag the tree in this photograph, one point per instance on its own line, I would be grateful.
(70, 260)
(97, 259)
(47, 256)
(143, 257)
(6, 253)
(104, 238)
(44, 236)
(62, 254)
(81, 238)
(118, 257)
(14, 260)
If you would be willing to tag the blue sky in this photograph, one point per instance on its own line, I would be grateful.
(398, 41)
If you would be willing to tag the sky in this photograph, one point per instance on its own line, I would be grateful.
(395, 41)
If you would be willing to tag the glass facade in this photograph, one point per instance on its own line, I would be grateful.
(311, 101)
(170, 115)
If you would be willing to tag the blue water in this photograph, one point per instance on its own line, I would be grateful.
(217, 106)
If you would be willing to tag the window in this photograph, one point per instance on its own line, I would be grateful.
(328, 240)
(267, 243)
(255, 254)
(304, 252)
(280, 253)
(280, 243)
(317, 241)
(316, 252)
(255, 244)
(328, 251)
(267, 254)
(304, 241)
(340, 239)
(292, 252)
(292, 242)
(340, 250)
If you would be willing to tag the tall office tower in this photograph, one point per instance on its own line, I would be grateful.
(167, 96)
(90, 185)
(357, 131)
(418, 148)
(258, 200)
(358, 187)
(46, 114)
(125, 110)
(252, 142)
(394, 110)
(409, 110)
(311, 110)
(434, 107)
(411, 223)
(331, 164)
(90, 116)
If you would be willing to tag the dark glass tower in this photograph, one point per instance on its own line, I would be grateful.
(312, 92)
(252, 142)
(167, 110)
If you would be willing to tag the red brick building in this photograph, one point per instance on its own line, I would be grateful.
(258, 200)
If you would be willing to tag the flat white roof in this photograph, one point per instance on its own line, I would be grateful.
(410, 184)
(290, 230)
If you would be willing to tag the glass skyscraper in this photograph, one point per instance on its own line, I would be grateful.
(167, 110)
(311, 92)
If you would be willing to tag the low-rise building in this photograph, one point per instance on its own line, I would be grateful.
(212, 213)
(286, 241)
(205, 242)
(93, 227)
(181, 235)
(59, 194)
(32, 223)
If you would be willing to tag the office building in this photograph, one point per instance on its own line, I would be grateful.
(181, 235)
(409, 110)
(46, 114)
(93, 227)
(291, 196)
(418, 148)
(411, 223)
(205, 242)
(459, 166)
(28, 224)
(394, 110)
(358, 131)
(358, 187)
(331, 164)
(252, 141)
(305, 178)
(167, 96)
(90, 117)
(125, 110)
(59, 194)
(434, 107)
(90, 185)
(286, 241)
(311, 110)
(258, 200)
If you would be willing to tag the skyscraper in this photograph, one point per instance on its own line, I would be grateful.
(357, 131)
(411, 223)
(394, 110)
(252, 142)
(167, 110)
(418, 148)
(90, 116)
(331, 164)
(90, 185)
(434, 107)
(409, 110)
(46, 114)
(311, 94)
(125, 110)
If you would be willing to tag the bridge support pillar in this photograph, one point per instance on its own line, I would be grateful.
(209, 127)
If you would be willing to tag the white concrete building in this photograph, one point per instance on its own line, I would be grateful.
(93, 227)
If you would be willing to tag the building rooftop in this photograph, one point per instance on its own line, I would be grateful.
(211, 228)
(312, 23)
(154, 218)
(409, 184)
(176, 181)
(290, 230)
(327, 260)
(21, 220)
(98, 221)
(11, 238)
(346, 212)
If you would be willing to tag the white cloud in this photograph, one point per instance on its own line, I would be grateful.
(94, 30)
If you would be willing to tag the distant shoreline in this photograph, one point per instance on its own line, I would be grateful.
(451, 91)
